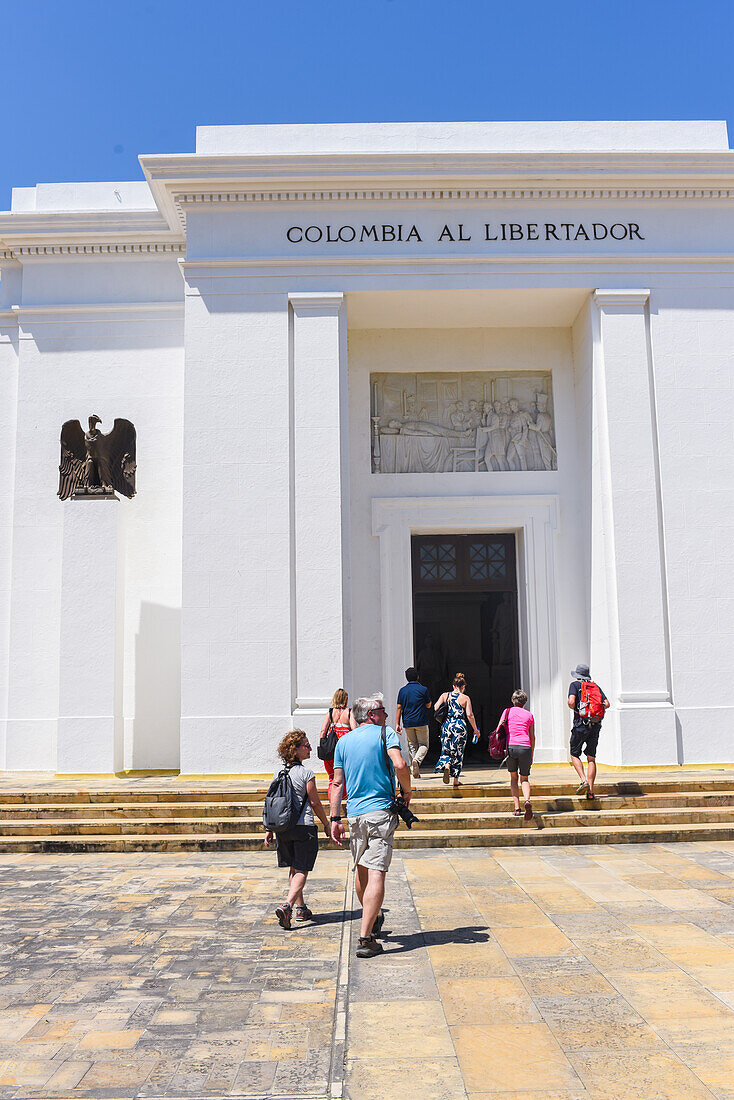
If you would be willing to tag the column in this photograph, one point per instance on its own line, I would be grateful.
(320, 492)
(89, 735)
(236, 662)
(629, 628)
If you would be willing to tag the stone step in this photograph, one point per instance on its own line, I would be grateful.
(586, 817)
(491, 838)
(422, 806)
(436, 791)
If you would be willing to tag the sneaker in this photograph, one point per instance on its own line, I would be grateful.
(303, 913)
(283, 913)
(379, 921)
(416, 770)
(582, 787)
(368, 947)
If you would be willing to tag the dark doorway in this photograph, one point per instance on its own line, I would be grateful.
(465, 619)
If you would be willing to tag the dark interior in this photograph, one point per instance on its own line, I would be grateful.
(465, 619)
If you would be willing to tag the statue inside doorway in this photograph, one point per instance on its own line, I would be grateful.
(95, 464)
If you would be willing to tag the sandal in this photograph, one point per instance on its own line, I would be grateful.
(517, 812)
(528, 811)
(446, 775)
(590, 796)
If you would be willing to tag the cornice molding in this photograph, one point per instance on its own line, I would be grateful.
(613, 298)
(185, 199)
(432, 166)
(48, 233)
(224, 268)
(58, 250)
(181, 183)
(79, 312)
(303, 302)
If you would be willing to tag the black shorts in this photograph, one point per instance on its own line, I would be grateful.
(297, 847)
(519, 759)
(585, 740)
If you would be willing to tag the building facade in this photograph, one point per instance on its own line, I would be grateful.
(454, 395)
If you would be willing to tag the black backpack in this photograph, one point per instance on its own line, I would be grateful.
(281, 810)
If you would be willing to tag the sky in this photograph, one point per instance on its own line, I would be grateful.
(88, 85)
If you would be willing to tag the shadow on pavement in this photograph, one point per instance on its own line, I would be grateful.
(415, 940)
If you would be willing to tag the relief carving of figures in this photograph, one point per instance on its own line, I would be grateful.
(495, 452)
(459, 422)
(518, 428)
(543, 425)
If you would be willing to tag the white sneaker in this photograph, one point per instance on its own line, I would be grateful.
(416, 770)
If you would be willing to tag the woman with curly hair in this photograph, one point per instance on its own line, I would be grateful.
(298, 846)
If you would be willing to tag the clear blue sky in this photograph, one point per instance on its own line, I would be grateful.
(90, 84)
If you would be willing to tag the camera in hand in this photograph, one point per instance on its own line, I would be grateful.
(404, 812)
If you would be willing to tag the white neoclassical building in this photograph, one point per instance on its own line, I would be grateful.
(460, 395)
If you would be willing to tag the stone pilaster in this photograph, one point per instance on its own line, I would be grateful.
(90, 675)
(630, 651)
(320, 512)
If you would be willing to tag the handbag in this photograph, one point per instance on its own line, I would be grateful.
(442, 712)
(327, 745)
(497, 746)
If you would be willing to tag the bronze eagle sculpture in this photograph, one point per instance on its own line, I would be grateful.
(94, 463)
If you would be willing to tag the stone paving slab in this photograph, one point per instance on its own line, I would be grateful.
(532, 974)
(554, 974)
(153, 976)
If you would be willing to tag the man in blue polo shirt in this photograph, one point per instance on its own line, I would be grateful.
(414, 702)
(368, 766)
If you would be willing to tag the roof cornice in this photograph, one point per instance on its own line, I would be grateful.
(60, 233)
(180, 181)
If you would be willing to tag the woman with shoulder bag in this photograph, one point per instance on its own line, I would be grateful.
(520, 725)
(338, 721)
(459, 716)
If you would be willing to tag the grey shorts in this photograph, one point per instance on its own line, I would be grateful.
(370, 839)
(519, 759)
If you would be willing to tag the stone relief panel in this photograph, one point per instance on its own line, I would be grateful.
(461, 422)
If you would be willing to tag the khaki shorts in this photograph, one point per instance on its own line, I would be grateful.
(370, 839)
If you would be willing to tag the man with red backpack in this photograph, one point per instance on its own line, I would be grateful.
(589, 705)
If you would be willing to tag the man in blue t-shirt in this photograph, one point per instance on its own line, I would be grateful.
(361, 765)
(414, 702)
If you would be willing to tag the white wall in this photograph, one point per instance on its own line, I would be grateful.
(399, 350)
(237, 697)
(113, 362)
(10, 285)
(692, 332)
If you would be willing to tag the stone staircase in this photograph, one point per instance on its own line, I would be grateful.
(171, 818)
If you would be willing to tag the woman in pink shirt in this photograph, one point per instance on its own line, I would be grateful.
(520, 748)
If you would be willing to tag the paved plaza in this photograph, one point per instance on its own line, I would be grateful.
(517, 974)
